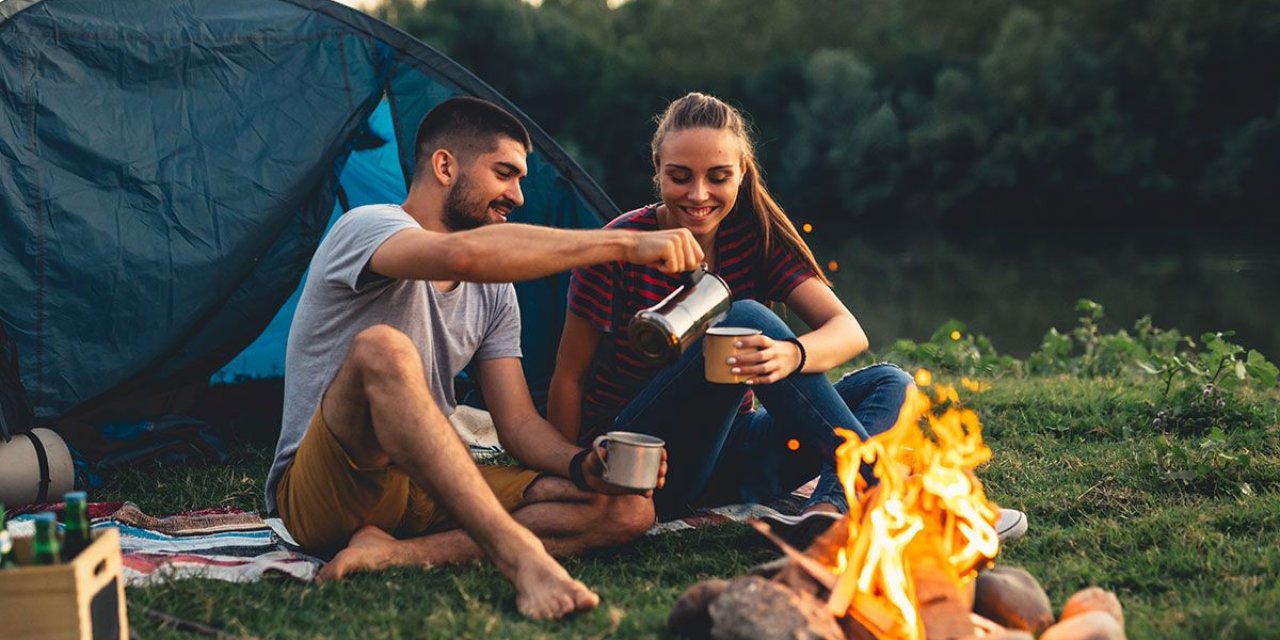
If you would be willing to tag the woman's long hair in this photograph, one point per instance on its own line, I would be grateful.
(699, 110)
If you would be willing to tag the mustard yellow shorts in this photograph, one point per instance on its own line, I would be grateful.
(324, 497)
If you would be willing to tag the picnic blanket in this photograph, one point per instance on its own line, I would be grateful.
(218, 544)
(238, 546)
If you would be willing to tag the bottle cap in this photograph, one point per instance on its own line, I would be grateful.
(75, 495)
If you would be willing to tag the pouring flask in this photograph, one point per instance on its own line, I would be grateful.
(663, 332)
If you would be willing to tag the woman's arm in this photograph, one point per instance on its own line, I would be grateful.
(578, 344)
(836, 338)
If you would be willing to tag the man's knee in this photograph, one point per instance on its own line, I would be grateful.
(627, 517)
(384, 349)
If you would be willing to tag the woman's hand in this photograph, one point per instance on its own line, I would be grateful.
(764, 359)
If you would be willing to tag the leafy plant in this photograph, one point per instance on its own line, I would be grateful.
(1213, 466)
(1202, 385)
(1086, 350)
(952, 349)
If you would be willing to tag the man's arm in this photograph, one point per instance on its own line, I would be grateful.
(525, 434)
(512, 252)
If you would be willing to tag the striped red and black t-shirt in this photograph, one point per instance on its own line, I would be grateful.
(608, 295)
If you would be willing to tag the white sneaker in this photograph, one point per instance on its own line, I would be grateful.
(1011, 525)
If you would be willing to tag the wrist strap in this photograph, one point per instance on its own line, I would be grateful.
(575, 470)
(804, 355)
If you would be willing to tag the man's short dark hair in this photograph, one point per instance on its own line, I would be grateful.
(465, 126)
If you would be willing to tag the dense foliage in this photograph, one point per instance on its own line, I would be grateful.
(883, 112)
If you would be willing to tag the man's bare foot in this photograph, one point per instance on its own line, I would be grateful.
(369, 549)
(544, 590)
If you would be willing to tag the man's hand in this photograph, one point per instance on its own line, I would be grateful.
(593, 472)
(669, 251)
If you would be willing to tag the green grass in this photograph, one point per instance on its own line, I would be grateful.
(1185, 529)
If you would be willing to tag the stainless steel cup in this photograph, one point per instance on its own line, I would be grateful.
(633, 460)
(662, 332)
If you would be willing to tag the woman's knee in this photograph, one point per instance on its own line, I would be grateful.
(881, 375)
(891, 375)
(749, 313)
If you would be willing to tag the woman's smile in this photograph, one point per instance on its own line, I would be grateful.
(699, 213)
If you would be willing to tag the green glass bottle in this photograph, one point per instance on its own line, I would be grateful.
(45, 546)
(7, 559)
(75, 534)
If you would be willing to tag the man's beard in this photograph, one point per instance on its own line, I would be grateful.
(463, 210)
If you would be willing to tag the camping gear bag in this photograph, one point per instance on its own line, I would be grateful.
(35, 467)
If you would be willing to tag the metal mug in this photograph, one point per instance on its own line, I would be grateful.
(717, 346)
(633, 460)
(662, 332)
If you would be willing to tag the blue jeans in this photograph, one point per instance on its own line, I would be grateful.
(716, 456)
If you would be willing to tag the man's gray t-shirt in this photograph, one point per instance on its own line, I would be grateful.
(342, 297)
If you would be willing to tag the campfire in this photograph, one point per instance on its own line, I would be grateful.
(914, 558)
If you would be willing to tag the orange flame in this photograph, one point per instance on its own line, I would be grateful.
(926, 485)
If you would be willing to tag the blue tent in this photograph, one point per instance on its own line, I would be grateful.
(167, 168)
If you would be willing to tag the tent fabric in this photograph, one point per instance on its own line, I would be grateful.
(167, 168)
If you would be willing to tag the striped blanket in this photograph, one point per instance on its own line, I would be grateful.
(238, 546)
(218, 544)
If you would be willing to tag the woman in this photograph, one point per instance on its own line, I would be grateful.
(720, 450)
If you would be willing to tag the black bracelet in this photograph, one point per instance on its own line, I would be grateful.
(575, 470)
(804, 355)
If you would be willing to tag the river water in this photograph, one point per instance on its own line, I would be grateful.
(1014, 294)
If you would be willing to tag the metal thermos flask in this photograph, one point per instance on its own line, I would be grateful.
(662, 332)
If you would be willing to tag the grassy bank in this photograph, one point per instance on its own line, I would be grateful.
(1184, 527)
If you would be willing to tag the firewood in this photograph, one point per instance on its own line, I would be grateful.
(940, 605)
(854, 629)
(796, 578)
(769, 569)
(817, 570)
(827, 546)
(876, 616)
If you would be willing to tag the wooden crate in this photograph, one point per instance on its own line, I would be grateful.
(82, 599)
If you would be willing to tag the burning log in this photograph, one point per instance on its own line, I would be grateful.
(942, 609)
(801, 572)
(1013, 598)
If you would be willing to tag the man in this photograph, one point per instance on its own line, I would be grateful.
(397, 301)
